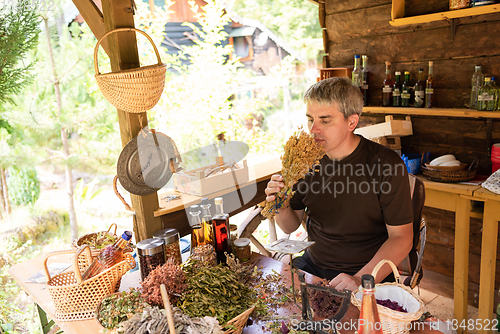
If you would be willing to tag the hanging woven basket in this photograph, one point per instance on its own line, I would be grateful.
(134, 90)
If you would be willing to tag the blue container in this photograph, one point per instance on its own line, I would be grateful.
(414, 161)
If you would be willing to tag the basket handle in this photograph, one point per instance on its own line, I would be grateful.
(96, 65)
(112, 225)
(88, 254)
(393, 266)
(61, 252)
(128, 207)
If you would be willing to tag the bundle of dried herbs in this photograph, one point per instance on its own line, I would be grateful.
(117, 308)
(301, 153)
(323, 303)
(169, 274)
(215, 291)
(154, 321)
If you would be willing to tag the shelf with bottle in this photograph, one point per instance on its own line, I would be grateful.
(443, 112)
(398, 14)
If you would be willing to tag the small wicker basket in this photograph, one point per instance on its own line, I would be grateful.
(75, 299)
(450, 173)
(134, 90)
(393, 322)
(77, 243)
(239, 322)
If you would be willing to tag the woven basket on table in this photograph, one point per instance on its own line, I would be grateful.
(75, 299)
(393, 322)
(450, 173)
(134, 90)
(95, 252)
(239, 322)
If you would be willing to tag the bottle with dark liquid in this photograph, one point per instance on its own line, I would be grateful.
(222, 236)
(369, 320)
(206, 221)
(420, 90)
(429, 87)
(197, 234)
(387, 86)
(405, 91)
(364, 83)
(396, 92)
(108, 257)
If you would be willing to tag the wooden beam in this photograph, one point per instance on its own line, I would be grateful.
(94, 19)
(123, 55)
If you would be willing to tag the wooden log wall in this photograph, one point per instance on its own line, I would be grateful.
(362, 27)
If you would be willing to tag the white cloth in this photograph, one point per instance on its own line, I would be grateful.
(493, 183)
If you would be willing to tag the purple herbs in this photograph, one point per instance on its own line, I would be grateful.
(392, 305)
(324, 304)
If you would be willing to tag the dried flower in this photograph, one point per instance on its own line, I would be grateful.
(301, 153)
(169, 274)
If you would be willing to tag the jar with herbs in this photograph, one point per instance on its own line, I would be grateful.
(242, 249)
(459, 4)
(172, 245)
(205, 254)
(151, 255)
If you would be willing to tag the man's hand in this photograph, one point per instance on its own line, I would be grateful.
(274, 186)
(345, 281)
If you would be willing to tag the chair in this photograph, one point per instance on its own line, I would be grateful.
(412, 265)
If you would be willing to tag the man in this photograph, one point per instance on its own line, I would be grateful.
(357, 199)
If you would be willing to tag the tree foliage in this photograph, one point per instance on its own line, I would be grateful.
(18, 35)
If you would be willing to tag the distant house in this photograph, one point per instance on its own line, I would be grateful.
(257, 46)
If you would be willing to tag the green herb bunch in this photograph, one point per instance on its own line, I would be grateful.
(121, 307)
(215, 292)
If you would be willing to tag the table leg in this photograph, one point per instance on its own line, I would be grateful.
(488, 264)
(461, 266)
(45, 324)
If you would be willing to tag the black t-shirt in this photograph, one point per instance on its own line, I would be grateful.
(349, 203)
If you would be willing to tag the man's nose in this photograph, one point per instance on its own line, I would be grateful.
(314, 128)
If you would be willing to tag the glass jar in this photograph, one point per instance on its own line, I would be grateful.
(233, 228)
(172, 245)
(151, 255)
(459, 4)
(205, 254)
(242, 249)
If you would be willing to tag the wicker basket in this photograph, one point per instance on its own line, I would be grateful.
(95, 252)
(75, 299)
(134, 90)
(393, 322)
(450, 173)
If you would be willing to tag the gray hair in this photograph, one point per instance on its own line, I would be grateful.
(339, 91)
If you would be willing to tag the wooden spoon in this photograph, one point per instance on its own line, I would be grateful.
(166, 304)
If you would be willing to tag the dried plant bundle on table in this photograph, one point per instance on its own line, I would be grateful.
(301, 153)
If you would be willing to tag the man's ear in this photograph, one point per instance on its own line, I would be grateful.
(352, 121)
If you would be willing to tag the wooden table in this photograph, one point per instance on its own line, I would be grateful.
(40, 294)
(458, 198)
(236, 199)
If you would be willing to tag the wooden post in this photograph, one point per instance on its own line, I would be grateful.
(122, 50)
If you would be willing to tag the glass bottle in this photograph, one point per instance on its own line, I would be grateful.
(206, 221)
(396, 92)
(497, 93)
(429, 87)
(197, 234)
(357, 72)
(420, 90)
(477, 82)
(369, 320)
(405, 91)
(222, 236)
(486, 96)
(364, 83)
(387, 86)
(108, 257)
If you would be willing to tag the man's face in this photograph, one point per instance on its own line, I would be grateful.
(328, 127)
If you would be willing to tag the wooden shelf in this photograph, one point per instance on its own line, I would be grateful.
(398, 18)
(445, 112)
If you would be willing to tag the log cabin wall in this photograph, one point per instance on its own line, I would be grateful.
(362, 27)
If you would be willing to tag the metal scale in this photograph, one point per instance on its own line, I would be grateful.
(292, 247)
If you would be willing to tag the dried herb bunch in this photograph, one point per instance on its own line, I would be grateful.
(120, 307)
(169, 274)
(301, 153)
(215, 291)
(324, 304)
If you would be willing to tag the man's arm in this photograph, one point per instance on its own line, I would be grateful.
(395, 248)
(287, 219)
